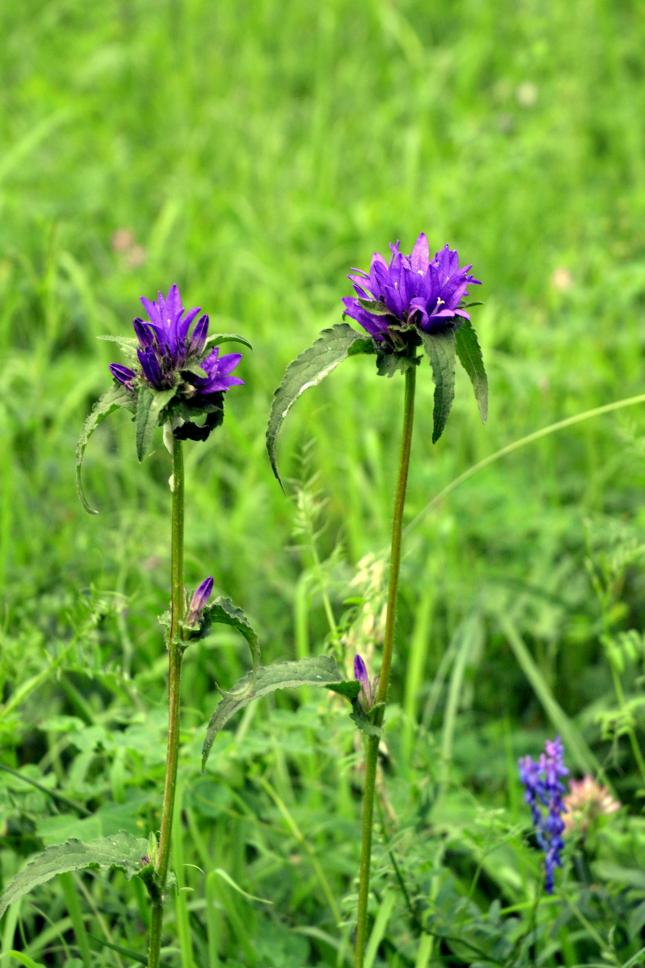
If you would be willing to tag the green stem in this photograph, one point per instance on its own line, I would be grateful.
(372, 742)
(633, 741)
(174, 682)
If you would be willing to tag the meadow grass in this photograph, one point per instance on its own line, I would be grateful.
(256, 152)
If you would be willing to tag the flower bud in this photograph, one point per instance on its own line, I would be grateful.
(198, 602)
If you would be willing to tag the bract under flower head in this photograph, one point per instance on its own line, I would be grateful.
(410, 292)
(168, 354)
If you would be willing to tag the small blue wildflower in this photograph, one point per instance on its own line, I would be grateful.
(544, 794)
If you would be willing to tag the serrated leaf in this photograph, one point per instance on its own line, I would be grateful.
(470, 357)
(217, 338)
(364, 344)
(116, 396)
(363, 722)
(126, 344)
(440, 348)
(307, 370)
(150, 403)
(314, 671)
(122, 851)
(349, 688)
(222, 611)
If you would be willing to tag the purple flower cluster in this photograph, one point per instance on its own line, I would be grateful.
(544, 794)
(411, 291)
(167, 349)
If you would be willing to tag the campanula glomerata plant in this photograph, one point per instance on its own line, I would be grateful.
(409, 306)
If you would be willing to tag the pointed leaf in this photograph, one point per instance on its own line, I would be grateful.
(470, 357)
(126, 344)
(375, 307)
(123, 851)
(217, 338)
(116, 396)
(349, 688)
(440, 348)
(126, 952)
(150, 403)
(315, 671)
(307, 370)
(222, 611)
(364, 344)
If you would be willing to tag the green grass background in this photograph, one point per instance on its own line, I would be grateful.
(256, 151)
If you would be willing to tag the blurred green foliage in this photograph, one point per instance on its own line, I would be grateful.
(253, 153)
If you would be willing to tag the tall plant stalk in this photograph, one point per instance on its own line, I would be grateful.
(174, 683)
(372, 742)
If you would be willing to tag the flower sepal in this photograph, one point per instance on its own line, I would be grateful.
(388, 363)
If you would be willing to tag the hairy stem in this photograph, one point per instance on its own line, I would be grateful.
(174, 682)
(372, 742)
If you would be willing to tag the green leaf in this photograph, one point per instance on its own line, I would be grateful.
(374, 307)
(122, 851)
(222, 611)
(217, 338)
(126, 344)
(24, 960)
(126, 952)
(150, 403)
(116, 396)
(315, 671)
(363, 722)
(440, 348)
(364, 344)
(307, 370)
(470, 357)
(349, 688)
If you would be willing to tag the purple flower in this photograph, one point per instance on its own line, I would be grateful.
(166, 349)
(123, 374)
(368, 687)
(217, 369)
(544, 794)
(412, 291)
(198, 602)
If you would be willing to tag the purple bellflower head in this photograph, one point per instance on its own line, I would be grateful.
(544, 794)
(166, 348)
(410, 292)
(198, 602)
(171, 350)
